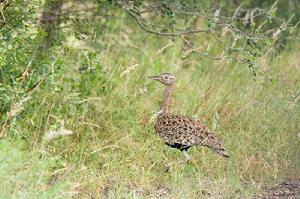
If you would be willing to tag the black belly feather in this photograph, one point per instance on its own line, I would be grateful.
(179, 146)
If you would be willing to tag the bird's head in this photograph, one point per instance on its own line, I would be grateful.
(167, 79)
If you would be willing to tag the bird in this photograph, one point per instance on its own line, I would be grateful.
(180, 131)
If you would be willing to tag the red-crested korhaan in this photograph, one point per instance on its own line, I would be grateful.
(180, 131)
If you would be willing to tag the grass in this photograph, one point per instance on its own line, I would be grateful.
(114, 151)
(25, 175)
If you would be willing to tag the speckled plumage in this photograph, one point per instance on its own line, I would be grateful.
(182, 132)
(179, 131)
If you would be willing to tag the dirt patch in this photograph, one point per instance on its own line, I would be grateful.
(288, 189)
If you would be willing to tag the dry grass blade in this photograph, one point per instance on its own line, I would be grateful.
(131, 68)
(53, 134)
(18, 107)
(50, 135)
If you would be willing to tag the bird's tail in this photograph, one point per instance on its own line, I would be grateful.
(222, 152)
(214, 143)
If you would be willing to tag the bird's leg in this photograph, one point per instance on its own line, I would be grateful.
(186, 156)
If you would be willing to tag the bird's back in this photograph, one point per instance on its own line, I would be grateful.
(180, 129)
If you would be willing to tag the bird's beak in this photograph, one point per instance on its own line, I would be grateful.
(155, 77)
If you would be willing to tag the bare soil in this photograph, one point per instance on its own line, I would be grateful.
(288, 189)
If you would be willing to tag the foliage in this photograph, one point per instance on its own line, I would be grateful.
(248, 32)
(85, 63)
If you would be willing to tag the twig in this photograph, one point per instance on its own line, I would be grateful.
(168, 34)
(39, 82)
(28, 93)
(194, 49)
(4, 5)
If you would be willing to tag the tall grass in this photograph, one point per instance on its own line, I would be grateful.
(102, 95)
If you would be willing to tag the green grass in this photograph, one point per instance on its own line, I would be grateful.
(115, 152)
(24, 175)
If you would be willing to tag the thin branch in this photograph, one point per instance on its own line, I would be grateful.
(205, 54)
(27, 95)
(179, 33)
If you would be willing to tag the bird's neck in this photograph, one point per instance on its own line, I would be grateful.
(165, 103)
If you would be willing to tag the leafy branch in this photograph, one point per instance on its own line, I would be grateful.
(239, 32)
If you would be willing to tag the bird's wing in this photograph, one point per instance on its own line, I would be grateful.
(179, 129)
(187, 131)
